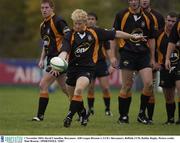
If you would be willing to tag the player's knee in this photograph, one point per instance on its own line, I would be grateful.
(78, 91)
(106, 92)
(148, 90)
(43, 85)
(126, 89)
(151, 99)
(169, 99)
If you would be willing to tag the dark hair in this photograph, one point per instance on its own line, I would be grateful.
(172, 14)
(50, 2)
(93, 14)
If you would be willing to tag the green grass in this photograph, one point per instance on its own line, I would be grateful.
(18, 105)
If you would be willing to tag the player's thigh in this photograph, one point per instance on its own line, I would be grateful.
(46, 80)
(178, 87)
(104, 82)
(61, 79)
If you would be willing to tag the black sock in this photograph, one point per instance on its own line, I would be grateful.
(128, 100)
(143, 104)
(179, 110)
(150, 110)
(107, 103)
(170, 109)
(122, 106)
(74, 107)
(173, 110)
(90, 102)
(43, 102)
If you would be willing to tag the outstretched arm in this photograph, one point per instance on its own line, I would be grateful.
(124, 35)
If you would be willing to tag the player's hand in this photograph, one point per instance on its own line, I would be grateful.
(54, 72)
(157, 66)
(111, 69)
(152, 63)
(168, 64)
(41, 64)
(140, 37)
(113, 62)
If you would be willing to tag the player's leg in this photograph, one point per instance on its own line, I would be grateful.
(68, 119)
(146, 75)
(62, 83)
(45, 82)
(167, 82)
(178, 92)
(124, 98)
(151, 102)
(169, 94)
(104, 83)
(90, 97)
(76, 104)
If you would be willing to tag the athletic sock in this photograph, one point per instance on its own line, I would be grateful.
(90, 102)
(122, 106)
(128, 103)
(74, 107)
(170, 109)
(179, 109)
(143, 104)
(107, 103)
(43, 102)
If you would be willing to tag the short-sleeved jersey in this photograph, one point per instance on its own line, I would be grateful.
(52, 31)
(158, 20)
(141, 23)
(83, 47)
(162, 41)
(175, 33)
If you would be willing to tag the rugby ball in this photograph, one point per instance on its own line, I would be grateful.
(58, 64)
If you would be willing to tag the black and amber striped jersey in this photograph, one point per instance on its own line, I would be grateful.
(162, 41)
(52, 31)
(83, 47)
(141, 23)
(175, 33)
(158, 20)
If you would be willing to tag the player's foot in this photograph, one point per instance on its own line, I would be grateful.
(38, 118)
(150, 122)
(91, 110)
(123, 120)
(84, 120)
(178, 122)
(67, 122)
(142, 119)
(108, 113)
(169, 122)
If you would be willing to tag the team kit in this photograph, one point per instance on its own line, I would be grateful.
(147, 43)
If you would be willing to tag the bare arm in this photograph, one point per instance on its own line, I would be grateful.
(123, 35)
(112, 54)
(63, 55)
(171, 47)
(42, 57)
(152, 51)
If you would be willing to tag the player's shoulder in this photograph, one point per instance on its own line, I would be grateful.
(122, 12)
(156, 13)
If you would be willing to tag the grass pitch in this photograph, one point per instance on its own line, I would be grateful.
(19, 104)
